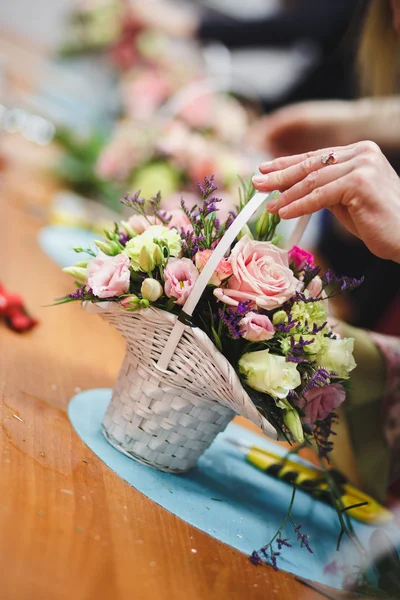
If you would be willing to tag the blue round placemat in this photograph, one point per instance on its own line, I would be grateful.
(226, 497)
(58, 243)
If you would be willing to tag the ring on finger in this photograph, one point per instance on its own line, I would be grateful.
(329, 159)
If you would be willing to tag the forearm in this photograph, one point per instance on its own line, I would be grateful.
(368, 381)
(379, 121)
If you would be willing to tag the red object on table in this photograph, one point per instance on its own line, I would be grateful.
(13, 311)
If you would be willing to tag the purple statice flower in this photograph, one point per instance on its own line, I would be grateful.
(270, 556)
(123, 238)
(286, 327)
(163, 216)
(323, 431)
(208, 188)
(296, 352)
(317, 329)
(283, 542)
(303, 538)
(320, 378)
(346, 283)
(81, 293)
(309, 272)
(255, 558)
(134, 201)
(233, 317)
(191, 243)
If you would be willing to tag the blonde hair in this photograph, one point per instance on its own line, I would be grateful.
(379, 52)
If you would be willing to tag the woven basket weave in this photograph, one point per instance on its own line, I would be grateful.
(167, 419)
(175, 391)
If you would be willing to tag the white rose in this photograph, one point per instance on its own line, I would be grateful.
(269, 373)
(338, 356)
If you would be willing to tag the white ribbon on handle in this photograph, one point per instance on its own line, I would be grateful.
(218, 254)
(298, 231)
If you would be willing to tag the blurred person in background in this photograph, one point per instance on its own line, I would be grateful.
(362, 190)
(322, 25)
(310, 125)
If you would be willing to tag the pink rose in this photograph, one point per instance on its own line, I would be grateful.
(321, 401)
(109, 276)
(180, 275)
(256, 328)
(300, 257)
(261, 274)
(315, 287)
(223, 270)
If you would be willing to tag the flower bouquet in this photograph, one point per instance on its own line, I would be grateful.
(218, 320)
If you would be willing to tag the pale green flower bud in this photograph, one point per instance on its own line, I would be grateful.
(292, 421)
(78, 273)
(262, 225)
(82, 263)
(109, 234)
(146, 260)
(245, 231)
(116, 247)
(285, 345)
(158, 256)
(279, 317)
(151, 289)
(105, 247)
(131, 232)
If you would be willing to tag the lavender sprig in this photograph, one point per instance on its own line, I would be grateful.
(319, 378)
(323, 431)
(232, 318)
(268, 553)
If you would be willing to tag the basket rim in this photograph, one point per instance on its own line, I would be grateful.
(202, 338)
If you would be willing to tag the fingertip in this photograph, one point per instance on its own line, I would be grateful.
(284, 213)
(264, 167)
(260, 183)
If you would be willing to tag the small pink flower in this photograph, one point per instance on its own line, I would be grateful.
(321, 401)
(261, 275)
(256, 328)
(109, 276)
(180, 275)
(315, 287)
(300, 257)
(179, 220)
(223, 270)
(139, 223)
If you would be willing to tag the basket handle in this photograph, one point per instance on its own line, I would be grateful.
(201, 283)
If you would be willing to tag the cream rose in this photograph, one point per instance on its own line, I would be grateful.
(269, 373)
(338, 356)
(261, 274)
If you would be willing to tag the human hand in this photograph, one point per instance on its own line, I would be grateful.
(309, 126)
(362, 190)
(164, 16)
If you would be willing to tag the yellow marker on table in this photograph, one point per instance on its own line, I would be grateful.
(311, 480)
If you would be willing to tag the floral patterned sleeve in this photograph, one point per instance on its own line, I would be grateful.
(390, 348)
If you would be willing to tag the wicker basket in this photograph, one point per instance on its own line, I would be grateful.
(175, 391)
